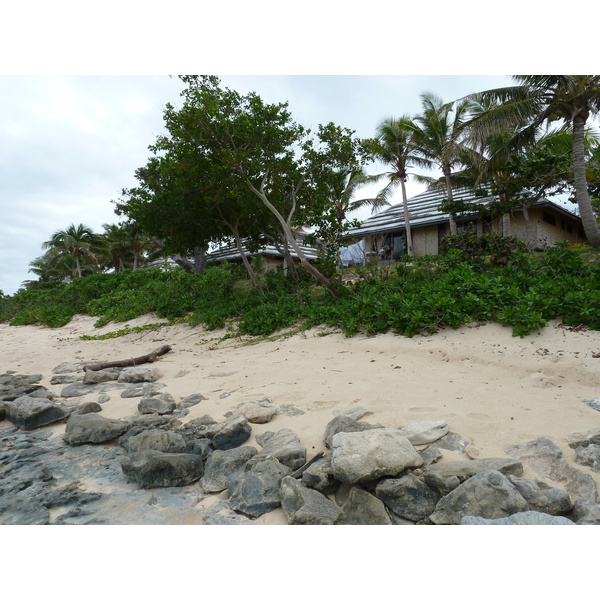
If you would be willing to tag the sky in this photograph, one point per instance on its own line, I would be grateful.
(82, 97)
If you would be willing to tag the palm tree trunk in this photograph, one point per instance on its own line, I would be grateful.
(528, 229)
(588, 220)
(78, 266)
(409, 245)
(453, 228)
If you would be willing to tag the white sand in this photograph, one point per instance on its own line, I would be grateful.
(493, 389)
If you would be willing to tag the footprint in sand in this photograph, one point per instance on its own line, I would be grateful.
(422, 409)
(478, 416)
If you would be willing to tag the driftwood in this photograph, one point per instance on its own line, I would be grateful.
(297, 474)
(131, 362)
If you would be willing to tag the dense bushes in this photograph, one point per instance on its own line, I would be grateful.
(433, 292)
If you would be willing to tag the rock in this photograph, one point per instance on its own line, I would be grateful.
(231, 433)
(191, 400)
(76, 389)
(221, 514)
(92, 429)
(284, 445)
(225, 468)
(258, 491)
(367, 455)
(595, 403)
(304, 506)
(65, 379)
(87, 407)
(541, 497)
(424, 432)
(290, 411)
(343, 423)
(586, 512)
(356, 412)
(453, 442)
(582, 439)
(111, 374)
(68, 367)
(359, 507)
(139, 375)
(2, 411)
(430, 455)
(256, 412)
(155, 439)
(446, 476)
(25, 512)
(201, 446)
(160, 404)
(529, 517)
(588, 456)
(488, 494)
(547, 459)
(162, 469)
(29, 413)
(319, 476)
(408, 497)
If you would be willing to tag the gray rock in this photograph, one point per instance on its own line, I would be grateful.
(160, 404)
(430, 455)
(102, 376)
(529, 517)
(25, 512)
(595, 403)
(547, 460)
(225, 468)
(588, 456)
(231, 433)
(446, 476)
(356, 412)
(541, 497)
(155, 439)
(344, 423)
(29, 413)
(582, 439)
(68, 367)
(201, 446)
(304, 506)
(319, 476)
(65, 379)
(368, 455)
(284, 445)
(92, 428)
(257, 492)
(488, 494)
(162, 469)
(256, 412)
(586, 512)
(290, 411)
(360, 507)
(221, 514)
(76, 389)
(2, 411)
(139, 375)
(191, 400)
(408, 497)
(87, 407)
(453, 442)
(424, 432)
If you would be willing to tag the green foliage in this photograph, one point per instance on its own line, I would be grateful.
(497, 249)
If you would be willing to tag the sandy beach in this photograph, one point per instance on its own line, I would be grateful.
(492, 388)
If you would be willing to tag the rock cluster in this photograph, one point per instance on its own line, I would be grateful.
(151, 468)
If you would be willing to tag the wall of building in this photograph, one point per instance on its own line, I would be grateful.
(425, 240)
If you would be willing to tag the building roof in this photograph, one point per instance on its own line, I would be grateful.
(231, 252)
(424, 210)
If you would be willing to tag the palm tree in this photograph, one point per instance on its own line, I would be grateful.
(437, 135)
(80, 242)
(394, 147)
(539, 99)
(343, 188)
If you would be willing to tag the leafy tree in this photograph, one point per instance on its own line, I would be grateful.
(538, 99)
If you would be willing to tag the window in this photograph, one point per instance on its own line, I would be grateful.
(470, 226)
(548, 218)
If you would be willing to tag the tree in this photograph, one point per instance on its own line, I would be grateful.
(78, 242)
(437, 135)
(538, 99)
(394, 147)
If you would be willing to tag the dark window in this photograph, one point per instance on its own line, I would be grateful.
(549, 218)
(569, 228)
(467, 226)
(486, 225)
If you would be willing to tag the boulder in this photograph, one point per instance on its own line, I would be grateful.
(76, 389)
(488, 494)
(2, 411)
(155, 439)
(585, 438)
(224, 468)
(588, 456)
(201, 446)
(319, 476)
(446, 476)
(367, 455)
(231, 433)
(304, 506)
(14, 385)
(191, 400)
(529, 517)
(102, 376)
(424, 432)
(87, 407)
(160, 404)
(541, 497)
(283, 445)
(360, 507)
(547, 460)
(65, 379)
(256, 412)
(347, 424)
(68, 367)
(29, 413)
(92, 428)
(453, 442)
(430, 455)
(586, 512)
(408, 497)
(137, 390)
(162, 469)
(143, 374)
(257, 492)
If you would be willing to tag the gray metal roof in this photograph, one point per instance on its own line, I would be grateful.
(231, 253)
(424, 210)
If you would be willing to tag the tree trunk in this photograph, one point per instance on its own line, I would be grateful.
(78, 266)
(453, 228)
(409, 246)
(588, 220)
(528, 229)
(251, 272)
(505, 224)
(199, 259)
